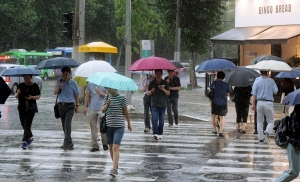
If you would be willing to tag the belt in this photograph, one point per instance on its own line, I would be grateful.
(66, 103)
(265, 100)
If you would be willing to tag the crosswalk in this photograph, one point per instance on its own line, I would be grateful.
(187, 152)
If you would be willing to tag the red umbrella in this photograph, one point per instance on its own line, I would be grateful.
(152, 63)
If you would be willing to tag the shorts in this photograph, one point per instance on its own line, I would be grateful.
(218, 110)
(114, 135)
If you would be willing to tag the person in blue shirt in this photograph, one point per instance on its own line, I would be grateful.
(219, 102)
(68, 102)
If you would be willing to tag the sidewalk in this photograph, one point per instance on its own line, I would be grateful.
(194, 106)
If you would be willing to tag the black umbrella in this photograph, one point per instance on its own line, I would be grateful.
(20, 71)
(57, 63)
(177, 64)
(266, 58)
(241, 77)
(4, 91)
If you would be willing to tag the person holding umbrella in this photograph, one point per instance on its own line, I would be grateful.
(68, 102)
(27, 94)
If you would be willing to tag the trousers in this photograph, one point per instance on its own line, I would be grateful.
(95, 117)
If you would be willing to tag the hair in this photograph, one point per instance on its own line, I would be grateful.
(66, 68)
(30, 75)
(287, 83)
(220, 75)
(158, 70)
(264, 72)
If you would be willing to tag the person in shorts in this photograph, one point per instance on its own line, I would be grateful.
(219, 102)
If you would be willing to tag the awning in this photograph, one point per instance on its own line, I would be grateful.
(238, 35)
(275, 35)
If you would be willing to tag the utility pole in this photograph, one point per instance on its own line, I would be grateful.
(128, 46)
(177, 33)
(76, 31)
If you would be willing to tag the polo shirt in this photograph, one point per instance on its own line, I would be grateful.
(69, 91)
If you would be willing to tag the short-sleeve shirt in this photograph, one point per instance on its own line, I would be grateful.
(158, 98)
(69, 91)
(264, 89)
(114, 113)
(96, 100)
(146, 81)
(27, 90)
(175, 82)
(221, 89)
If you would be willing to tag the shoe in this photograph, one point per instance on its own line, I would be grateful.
(147, 130)
(266, 137)
(255, 133)
(105, 147)
(214, 132)
(69, 147)
(24, 145)
(29, 141)
(94, 149)
(170, 125)
(261, 142)
(113, 172)
(155, 137)
(221, 135)
(159, 136)
(238, 129)
(242, 131)
(63, 146)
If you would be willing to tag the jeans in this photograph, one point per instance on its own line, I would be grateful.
(147, 105)
(172, 105)
(264, 108)
(114, 135)
(158, 114)
(294, 163)
(26, 117)
(66, 114)
(95, 117)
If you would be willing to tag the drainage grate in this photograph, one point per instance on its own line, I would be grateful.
(163, 166)
(223, 176)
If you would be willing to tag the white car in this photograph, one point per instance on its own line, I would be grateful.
(13, 82)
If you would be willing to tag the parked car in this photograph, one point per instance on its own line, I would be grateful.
(13, 82)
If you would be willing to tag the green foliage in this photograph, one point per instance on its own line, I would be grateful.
(294, 61)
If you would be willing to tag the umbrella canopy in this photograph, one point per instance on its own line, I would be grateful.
(98, 47)
(177, 64)
(4, 91)
(57, 63)
(20, 71)
(292, 98)
(292, 74)
(152, 63)
(113, 80)
(87, 69)
(241, 77)
(272, 65)
(215, 65)
(266, 58)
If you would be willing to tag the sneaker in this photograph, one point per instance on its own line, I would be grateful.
(261, 142)
(24, 145)
(221, 135)
(29, 141)
(159, 136)
(155, 137)
(105, 147)
(214, 132)
(266, 137)
(170, 125)
(94, 150)
(113, 172)
(147, 130)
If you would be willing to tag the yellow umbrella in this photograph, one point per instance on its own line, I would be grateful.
(98, 47)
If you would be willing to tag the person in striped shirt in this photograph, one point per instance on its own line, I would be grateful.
(115, 107)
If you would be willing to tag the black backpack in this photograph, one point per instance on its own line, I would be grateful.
(281, 132)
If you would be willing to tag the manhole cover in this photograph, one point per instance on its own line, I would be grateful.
(163, 166)
(223, 176)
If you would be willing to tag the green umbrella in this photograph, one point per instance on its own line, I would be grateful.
(113, 80)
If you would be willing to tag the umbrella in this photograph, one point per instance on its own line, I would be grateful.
(292, 98)
(98, 47)
(292, 74)
(215, 65)
(87, 69)
(152, 63)
(266, 58)
(20, 71)
(241, 77)
(177, 64)
(4, 91)
(57, 63)
(272, 65)
(113, 80)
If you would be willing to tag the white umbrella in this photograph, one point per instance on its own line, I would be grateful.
(87, 69)
(272, 65)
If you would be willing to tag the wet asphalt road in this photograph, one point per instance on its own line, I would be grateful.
(187, 152)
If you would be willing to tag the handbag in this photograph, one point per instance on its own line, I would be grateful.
(211, 94)
(32, 107)
(103, 126)
(56, 112)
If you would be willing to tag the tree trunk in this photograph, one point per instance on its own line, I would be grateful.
(120, 54)
(193, 79)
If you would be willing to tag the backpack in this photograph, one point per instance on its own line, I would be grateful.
(281, 132)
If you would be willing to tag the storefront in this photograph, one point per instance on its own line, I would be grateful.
(264, 27)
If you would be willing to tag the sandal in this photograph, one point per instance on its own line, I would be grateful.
(238, 129)
(113, 172)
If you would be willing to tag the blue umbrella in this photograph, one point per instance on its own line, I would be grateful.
(113, 80)
(289, 74)
(215, 65)
(292, 98)
(20, 71)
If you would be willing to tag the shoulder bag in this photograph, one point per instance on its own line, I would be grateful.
(211, 94)
(103, 126)
(56, 112)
